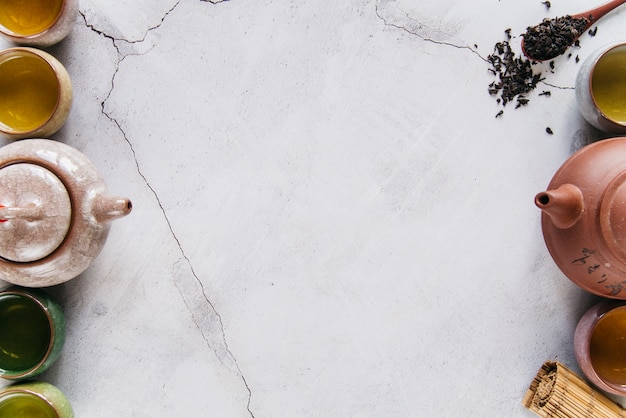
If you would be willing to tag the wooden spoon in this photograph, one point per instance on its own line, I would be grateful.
(591, 15)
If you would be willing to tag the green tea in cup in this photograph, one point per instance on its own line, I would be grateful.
(32, 332)
(34, 400)
(37, 22)
(29, 17)
(608, 84)
(24, 404)
(601, 88)
(35, 93)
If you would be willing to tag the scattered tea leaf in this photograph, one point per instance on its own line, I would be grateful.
(549, 131)
(514, 75)
(521, 101)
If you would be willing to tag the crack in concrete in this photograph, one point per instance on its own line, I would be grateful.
(425, 38)
(143, 38)
(121, 57)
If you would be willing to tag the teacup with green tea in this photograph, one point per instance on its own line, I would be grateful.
(601, 88)
(32, 332)
(35, 93)
(34, 400)
(37, 22)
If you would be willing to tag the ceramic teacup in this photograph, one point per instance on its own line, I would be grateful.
(37, 22)
(600, 346)
(35, 93)
(32, 332)
(601, 88)
(34, 399)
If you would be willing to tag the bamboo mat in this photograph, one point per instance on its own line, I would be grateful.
(558, 392)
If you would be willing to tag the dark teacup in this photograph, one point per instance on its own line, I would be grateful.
(32, 332)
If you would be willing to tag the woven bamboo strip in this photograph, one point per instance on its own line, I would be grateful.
(557, 392)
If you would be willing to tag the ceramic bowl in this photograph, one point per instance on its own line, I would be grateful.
(588, 101)
(32, 333)
(34, 399)
(19, 116)
(39, 23)
(599, 344)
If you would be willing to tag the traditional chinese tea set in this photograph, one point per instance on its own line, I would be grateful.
(55, 211)
(584, 219)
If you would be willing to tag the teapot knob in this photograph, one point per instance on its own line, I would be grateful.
(564, 205)
(27, 212)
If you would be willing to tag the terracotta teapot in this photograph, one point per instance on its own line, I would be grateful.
(584, 218)
(54, 212)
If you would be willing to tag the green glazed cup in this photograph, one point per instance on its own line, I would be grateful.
(32, 332)
(34, 399)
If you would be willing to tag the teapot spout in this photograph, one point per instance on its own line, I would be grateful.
(564, 205)
(109, 208)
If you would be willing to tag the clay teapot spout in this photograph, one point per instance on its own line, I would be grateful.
(564, 205)
(108, 208)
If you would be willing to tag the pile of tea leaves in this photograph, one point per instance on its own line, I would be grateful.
(515, 76)
(552, 37)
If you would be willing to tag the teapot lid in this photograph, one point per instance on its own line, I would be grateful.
(35, 212)
(612, 215)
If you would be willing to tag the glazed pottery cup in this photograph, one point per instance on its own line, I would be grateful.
(37, 22)
(32, 332)
(35, 93)
(34, 399)
(601, 88)
(600, 346)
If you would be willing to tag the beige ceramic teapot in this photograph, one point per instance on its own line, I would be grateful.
(584, 217)
(54, 212)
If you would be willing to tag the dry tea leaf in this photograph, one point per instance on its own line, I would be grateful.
(514, 75)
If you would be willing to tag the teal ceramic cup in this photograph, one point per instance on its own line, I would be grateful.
(35, 399)
(32, 332)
